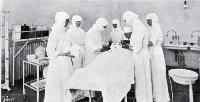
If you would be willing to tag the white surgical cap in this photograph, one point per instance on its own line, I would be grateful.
(76, 18)
(153, 17)
(116, 21)
(127, 29)
(102, 22)
(61, 17)
(129, 16)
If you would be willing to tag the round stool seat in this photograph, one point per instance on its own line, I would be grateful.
(183, 76)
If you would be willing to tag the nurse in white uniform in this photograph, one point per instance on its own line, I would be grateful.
(158, 66)
(139, 43)
(77, 37)
(60, 68)
(116, 33)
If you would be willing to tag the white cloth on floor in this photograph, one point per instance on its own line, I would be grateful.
(112, 73)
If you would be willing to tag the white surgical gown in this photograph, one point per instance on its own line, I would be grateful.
(60, 68)
(93, 41)
(158, 66)
(116, 35)
(139, 41)
(77, 37)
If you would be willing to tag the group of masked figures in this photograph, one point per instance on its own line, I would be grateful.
(71, 49)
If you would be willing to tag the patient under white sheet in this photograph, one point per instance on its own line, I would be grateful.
(112, 73)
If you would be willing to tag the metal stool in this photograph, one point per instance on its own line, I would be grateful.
(184, 77)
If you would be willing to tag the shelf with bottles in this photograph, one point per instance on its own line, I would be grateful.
(195, 40)
(176, 47)
(24, 32)
(174, 42)
(172, 38)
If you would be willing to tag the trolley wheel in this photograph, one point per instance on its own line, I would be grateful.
(24, 97)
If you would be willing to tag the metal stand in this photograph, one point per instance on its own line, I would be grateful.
(181, 80)
(190, 92)
(5, 29)
(17, 53)
(28, 84)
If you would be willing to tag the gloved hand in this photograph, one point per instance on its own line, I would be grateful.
(150, 43)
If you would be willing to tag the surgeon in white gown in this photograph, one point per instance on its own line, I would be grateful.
(158, 66)
(60, 67)
(93, 39)
(139, 43)
(77, 37)
(94, 42)
(116, 33)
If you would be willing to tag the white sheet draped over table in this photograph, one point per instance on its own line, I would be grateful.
(112, 73)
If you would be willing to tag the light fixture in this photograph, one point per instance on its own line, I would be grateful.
(185, 5)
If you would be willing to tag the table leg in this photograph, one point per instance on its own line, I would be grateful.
(90, 96)
(199, 67)
(38, 67)
(170, 81)
(23, 79)
(125, 98)
(191, 92)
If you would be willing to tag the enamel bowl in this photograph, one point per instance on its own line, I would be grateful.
(183, 76)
